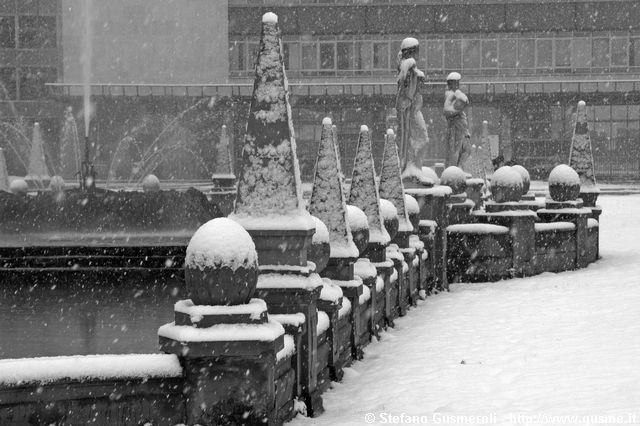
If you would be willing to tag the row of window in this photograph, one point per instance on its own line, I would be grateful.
(553, 53)
(28, 32)
(26, 83)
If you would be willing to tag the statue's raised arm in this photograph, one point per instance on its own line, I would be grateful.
(412, 127)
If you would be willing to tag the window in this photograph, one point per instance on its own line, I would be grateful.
(634, 52)
(7, 83)
(544, 50)
(452, 55)
(327, 56)
(526, 54)
(32, 82)
(309, 56)
(581, 57)
(508, 49)
(471, 54)
(362, 56)
(489, 53)
(7, 32)
(619, 52)
(435, 49)
(37, 32)
(292, 56)
(381, 55)
(601, 52)
(236, 56)
(563, 53)
(345, 56)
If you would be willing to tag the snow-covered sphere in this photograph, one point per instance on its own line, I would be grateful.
(357, 218)
(455, 178)
(526, 178)
(57, 184)
(221, 264)
(19, 186)
(359, 227)
(320, 250)
(270, 18)
(413, 210)
(506, 185)
(564, 183)
(151, 184)
(390, 217)
(430, 173)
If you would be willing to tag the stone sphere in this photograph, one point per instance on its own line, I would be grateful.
(506, 185)
(19, 186)
(429, 173)
(564, 183)
(57, 184)
(413, 210)
(526, 178)
(455, 178)
(390, 217)
(320, 249)
(221, 264)
(359, 227)
(151, 184)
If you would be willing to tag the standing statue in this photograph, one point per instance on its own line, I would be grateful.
(412, 127)
(458, 138)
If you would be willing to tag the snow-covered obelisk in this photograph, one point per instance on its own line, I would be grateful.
(269, 205)
(581, 157)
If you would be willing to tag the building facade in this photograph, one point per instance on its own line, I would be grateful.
(525, 65)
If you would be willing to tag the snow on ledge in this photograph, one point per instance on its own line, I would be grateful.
(288, 350)
(295, 320)
(289, 281)
(436, 191)
(323, 322)
(345, 309)
(88, 367)
(364, 269)
(296, 221)
(477, 228)
(592, 223)
(254, 308)
(554, 226)
(266, 332)
(365, 296)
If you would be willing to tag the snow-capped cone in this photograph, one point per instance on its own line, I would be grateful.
(390, 132)
(327, 199)
(581, 154)
(70, 153)
(364, 128)
(37, 169)
(364, 192)
(391, 187)
(269, 181)
(4, 174)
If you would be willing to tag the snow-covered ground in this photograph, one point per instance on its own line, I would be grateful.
(550, 349)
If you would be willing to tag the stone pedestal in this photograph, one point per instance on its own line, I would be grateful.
(281, 247)
(283, 300)
(576, 213)
(229, 361)
(520, 222)
(385, 269)
(433, 206)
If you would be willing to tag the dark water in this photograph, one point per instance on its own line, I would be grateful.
(84, 316)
